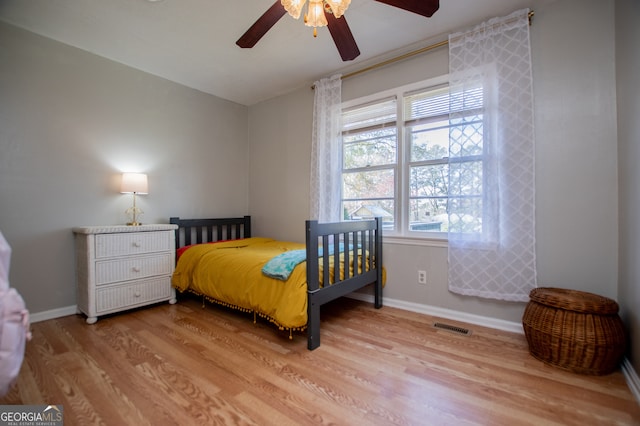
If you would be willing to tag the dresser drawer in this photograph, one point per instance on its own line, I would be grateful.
(142, 292)
(133, 268)
(110, 245)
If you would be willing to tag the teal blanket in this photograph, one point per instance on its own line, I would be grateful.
(281, 266)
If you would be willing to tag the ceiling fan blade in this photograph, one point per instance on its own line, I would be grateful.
(262, 25)
(421, 7)
(342, 37)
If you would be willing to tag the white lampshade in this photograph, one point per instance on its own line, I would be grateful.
(338, 7)
(294, 7)
(134, 183)
(315, 16)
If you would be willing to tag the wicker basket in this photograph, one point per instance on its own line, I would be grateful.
(574, 330)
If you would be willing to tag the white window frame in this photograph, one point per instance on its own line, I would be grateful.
(402, 233)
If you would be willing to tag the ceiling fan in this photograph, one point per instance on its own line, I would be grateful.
(338, 27)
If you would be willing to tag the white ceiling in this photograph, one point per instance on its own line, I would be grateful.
(192, 42)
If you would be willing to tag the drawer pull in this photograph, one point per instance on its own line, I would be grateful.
(137, 294)
(136, 269)
(137, 244)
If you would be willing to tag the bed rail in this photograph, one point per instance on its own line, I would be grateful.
(336, 239)
(198, 231)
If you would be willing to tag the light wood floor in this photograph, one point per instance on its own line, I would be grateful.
(186, 365)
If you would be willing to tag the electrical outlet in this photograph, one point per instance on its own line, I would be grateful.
(422, 277)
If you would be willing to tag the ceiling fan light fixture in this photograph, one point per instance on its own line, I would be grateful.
(338, 7)
(315, 16)
(293, 7)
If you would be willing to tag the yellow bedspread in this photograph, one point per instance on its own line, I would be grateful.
(231, 273)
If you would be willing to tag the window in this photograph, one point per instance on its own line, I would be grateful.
(395, 159)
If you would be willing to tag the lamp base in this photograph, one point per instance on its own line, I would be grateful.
(133, 214)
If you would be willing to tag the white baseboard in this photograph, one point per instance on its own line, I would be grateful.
(514, 327)
(633, 381)
(53, 313)
(393, 303)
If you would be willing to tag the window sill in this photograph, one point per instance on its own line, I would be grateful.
(409, 241)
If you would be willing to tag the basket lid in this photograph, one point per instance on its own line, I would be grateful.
(574, 300)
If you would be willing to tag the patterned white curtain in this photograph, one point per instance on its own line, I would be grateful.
(491, 161)
(325, 150)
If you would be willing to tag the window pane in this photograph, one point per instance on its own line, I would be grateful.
(368, 184)
(466, 178)
(466, 99)
(375, 114)
(466, 214)
(429, 181)
(370, 148)
(369, 209)
(466, 208)
(466, 136)
(429, 141)
(428, 215)
(426, 103)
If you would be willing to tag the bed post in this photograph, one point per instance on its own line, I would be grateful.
(247, 227)
(378, 260)
(313, 306)
(176, 221)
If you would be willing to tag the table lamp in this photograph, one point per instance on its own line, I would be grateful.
(134, 183)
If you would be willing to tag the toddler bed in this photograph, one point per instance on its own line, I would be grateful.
(284, 282)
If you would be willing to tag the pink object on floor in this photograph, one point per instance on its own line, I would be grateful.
(14, 324)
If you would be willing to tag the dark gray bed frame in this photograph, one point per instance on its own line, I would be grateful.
(366, 234)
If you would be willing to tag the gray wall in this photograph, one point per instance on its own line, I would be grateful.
(628, 82)
(70, 123)
(576, 165)
(279, 160)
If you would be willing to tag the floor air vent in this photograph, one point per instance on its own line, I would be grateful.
(452, 328)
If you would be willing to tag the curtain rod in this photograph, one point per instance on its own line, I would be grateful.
(407, 55)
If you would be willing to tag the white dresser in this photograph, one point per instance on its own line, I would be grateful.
(123, 267)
